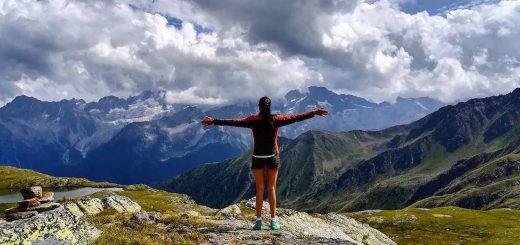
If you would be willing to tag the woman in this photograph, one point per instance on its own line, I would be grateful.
(265, 151)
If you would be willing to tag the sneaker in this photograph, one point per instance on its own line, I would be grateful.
(275, 225)
(258, 225)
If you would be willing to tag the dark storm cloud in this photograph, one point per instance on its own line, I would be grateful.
(294, 26)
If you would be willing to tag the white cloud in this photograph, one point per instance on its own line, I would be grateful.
(61, 49)
(465, 54)
(87, 49)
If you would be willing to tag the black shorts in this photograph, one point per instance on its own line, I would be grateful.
(271, 162)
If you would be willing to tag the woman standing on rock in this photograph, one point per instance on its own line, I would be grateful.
(265, 151)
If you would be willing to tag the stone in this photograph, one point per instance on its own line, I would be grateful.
(57, 226)
(20, 215)
(74, 209)
(41, 208)
(405, 219)
(2, 221)
(136, 187)
(154, 216)
(90, 206)
(230, 211)
(31, 192)
(45, 207)
(302, 224)
(190, 213)
(121, 204)
(360, 232)
(47, 197)
(29, 203)
(141, 217)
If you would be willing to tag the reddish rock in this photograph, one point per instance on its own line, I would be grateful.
(20, 215)
(31, 192)
(47, 197)
(29, 203)
(41, 208)
(45, 207)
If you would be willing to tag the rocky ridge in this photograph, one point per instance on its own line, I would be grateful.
(297, 228)
(67, 224)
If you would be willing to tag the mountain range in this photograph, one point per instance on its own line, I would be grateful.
(466, 155)
(147, 139)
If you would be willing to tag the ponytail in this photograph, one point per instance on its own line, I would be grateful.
(264, 104)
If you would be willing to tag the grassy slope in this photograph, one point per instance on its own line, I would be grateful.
(436, 161)
(120, 229)
(448, 225)
(469, 186)
(462, 226)
(14, 178)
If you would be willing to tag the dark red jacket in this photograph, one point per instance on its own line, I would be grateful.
(265, 137)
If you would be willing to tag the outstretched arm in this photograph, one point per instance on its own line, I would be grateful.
(239, 122)
(282, 120)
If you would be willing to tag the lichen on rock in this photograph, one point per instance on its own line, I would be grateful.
(305, 225)
(56, 226)
(73, 208)
(90, 206)
(360, 232)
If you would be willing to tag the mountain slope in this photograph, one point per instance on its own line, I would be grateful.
(396, 167)
(310, 162)
(147, 152)
(145, 138)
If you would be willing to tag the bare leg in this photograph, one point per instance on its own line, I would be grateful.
(272, 175)
(259, 183)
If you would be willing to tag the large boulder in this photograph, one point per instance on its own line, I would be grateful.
(230, 211)
(359, 231)
(57, 226)
(73, 208)
(302, 224)
(90, 206)
(121, 204)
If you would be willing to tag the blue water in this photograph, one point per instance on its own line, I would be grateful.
(59, 195)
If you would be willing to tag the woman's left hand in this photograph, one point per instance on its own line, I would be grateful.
(207, 121)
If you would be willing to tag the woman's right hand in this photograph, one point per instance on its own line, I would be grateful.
(321, 112)
(207, 121)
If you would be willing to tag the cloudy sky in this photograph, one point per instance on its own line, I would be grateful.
(211, 52)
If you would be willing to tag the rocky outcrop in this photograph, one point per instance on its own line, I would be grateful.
(230, 211)
(57, 226)
(358, 231)
(90, 206)
(54, 223)
(74, 209)
(121, 204)
(297, 228)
